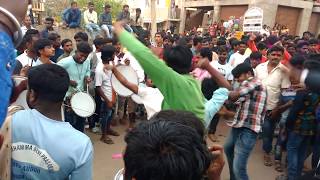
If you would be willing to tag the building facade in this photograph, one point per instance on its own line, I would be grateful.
(297, 15)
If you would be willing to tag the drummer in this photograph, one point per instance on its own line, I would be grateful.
(79, 72)
(106, 93)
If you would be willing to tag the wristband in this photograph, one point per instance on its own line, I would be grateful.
(17, 36)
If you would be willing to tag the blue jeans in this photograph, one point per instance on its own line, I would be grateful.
(76, 121)
(108, 29)
(296, 149)
(106, 116)
(238, 147)
(281, 140)
(128, 28)
(268, 128)
(93, 29)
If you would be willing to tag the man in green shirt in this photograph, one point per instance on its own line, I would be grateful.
(180, 90)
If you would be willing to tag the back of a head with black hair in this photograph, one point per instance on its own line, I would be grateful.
(206, 53)
(107, 53)
(179, 59)
(41, 44)
(197, 40)
(301, 44)
(171, 151)
(101, 41)
(313, 41)
(312, 62)
(208, 86)
(297, 61)
(65, 41)
(261, 46)
(276, 48)
(81, 35)
(90, 3)
(183, 117)
(242, 68)
(115, 41)
(272, 39)
(49, 19)
(256, 55)
(53, 36)
(49, 81)
(221, 42)
(33, 32)
(84, 47)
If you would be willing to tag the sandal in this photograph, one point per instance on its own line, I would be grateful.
(267, 160)
(278, 166)
(106, 140)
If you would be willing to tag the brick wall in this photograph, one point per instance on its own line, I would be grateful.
(314, 22)
(237, 11)
(289, 17)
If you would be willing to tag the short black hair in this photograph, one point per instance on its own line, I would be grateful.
(82, 35)
(27, 38)
(301, 44)
(41, 44)
(242, 69)
(222, 49)
(256, 55)
(179, 58)
(49, 19)
(221, 42)
(90, 3)
(84, 47)
(107, 6)
(206, 52)
(73, 2)
(100, 41)
(138, 10)
(313, 41)
(107, 53)
(243, 42)
(183, 117)
(234, 43)
(276, 48)
(49, 81)
(53, 36)
(297, 60)
(159, 33)
(306, 32)
(208, 86)
(65, 41)
(261, 46)
(32, 31)
(312, 62)
(126, 5)
(172, 151)
(197, 40)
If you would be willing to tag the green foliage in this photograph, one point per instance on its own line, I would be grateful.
(116, 6)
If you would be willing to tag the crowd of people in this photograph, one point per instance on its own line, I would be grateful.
(259, 84)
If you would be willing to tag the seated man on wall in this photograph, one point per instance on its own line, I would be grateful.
(72, 16)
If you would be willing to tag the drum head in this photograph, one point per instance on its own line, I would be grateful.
(22, 98)
(83, 104)
(129, 73)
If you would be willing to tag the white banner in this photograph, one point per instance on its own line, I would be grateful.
(253, 19)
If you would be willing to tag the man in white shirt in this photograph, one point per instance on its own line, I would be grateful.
(221, 65)
(275, 78)
(27, 24)
(240, 56)
(43, 145)
(27, 58)
(91, 20)
(106, 93)
(44, 49)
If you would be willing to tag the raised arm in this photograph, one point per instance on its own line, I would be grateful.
(133, 87)
(215, 75)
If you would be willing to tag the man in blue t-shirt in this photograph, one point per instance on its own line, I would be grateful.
(72, 16)
(43, 145)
